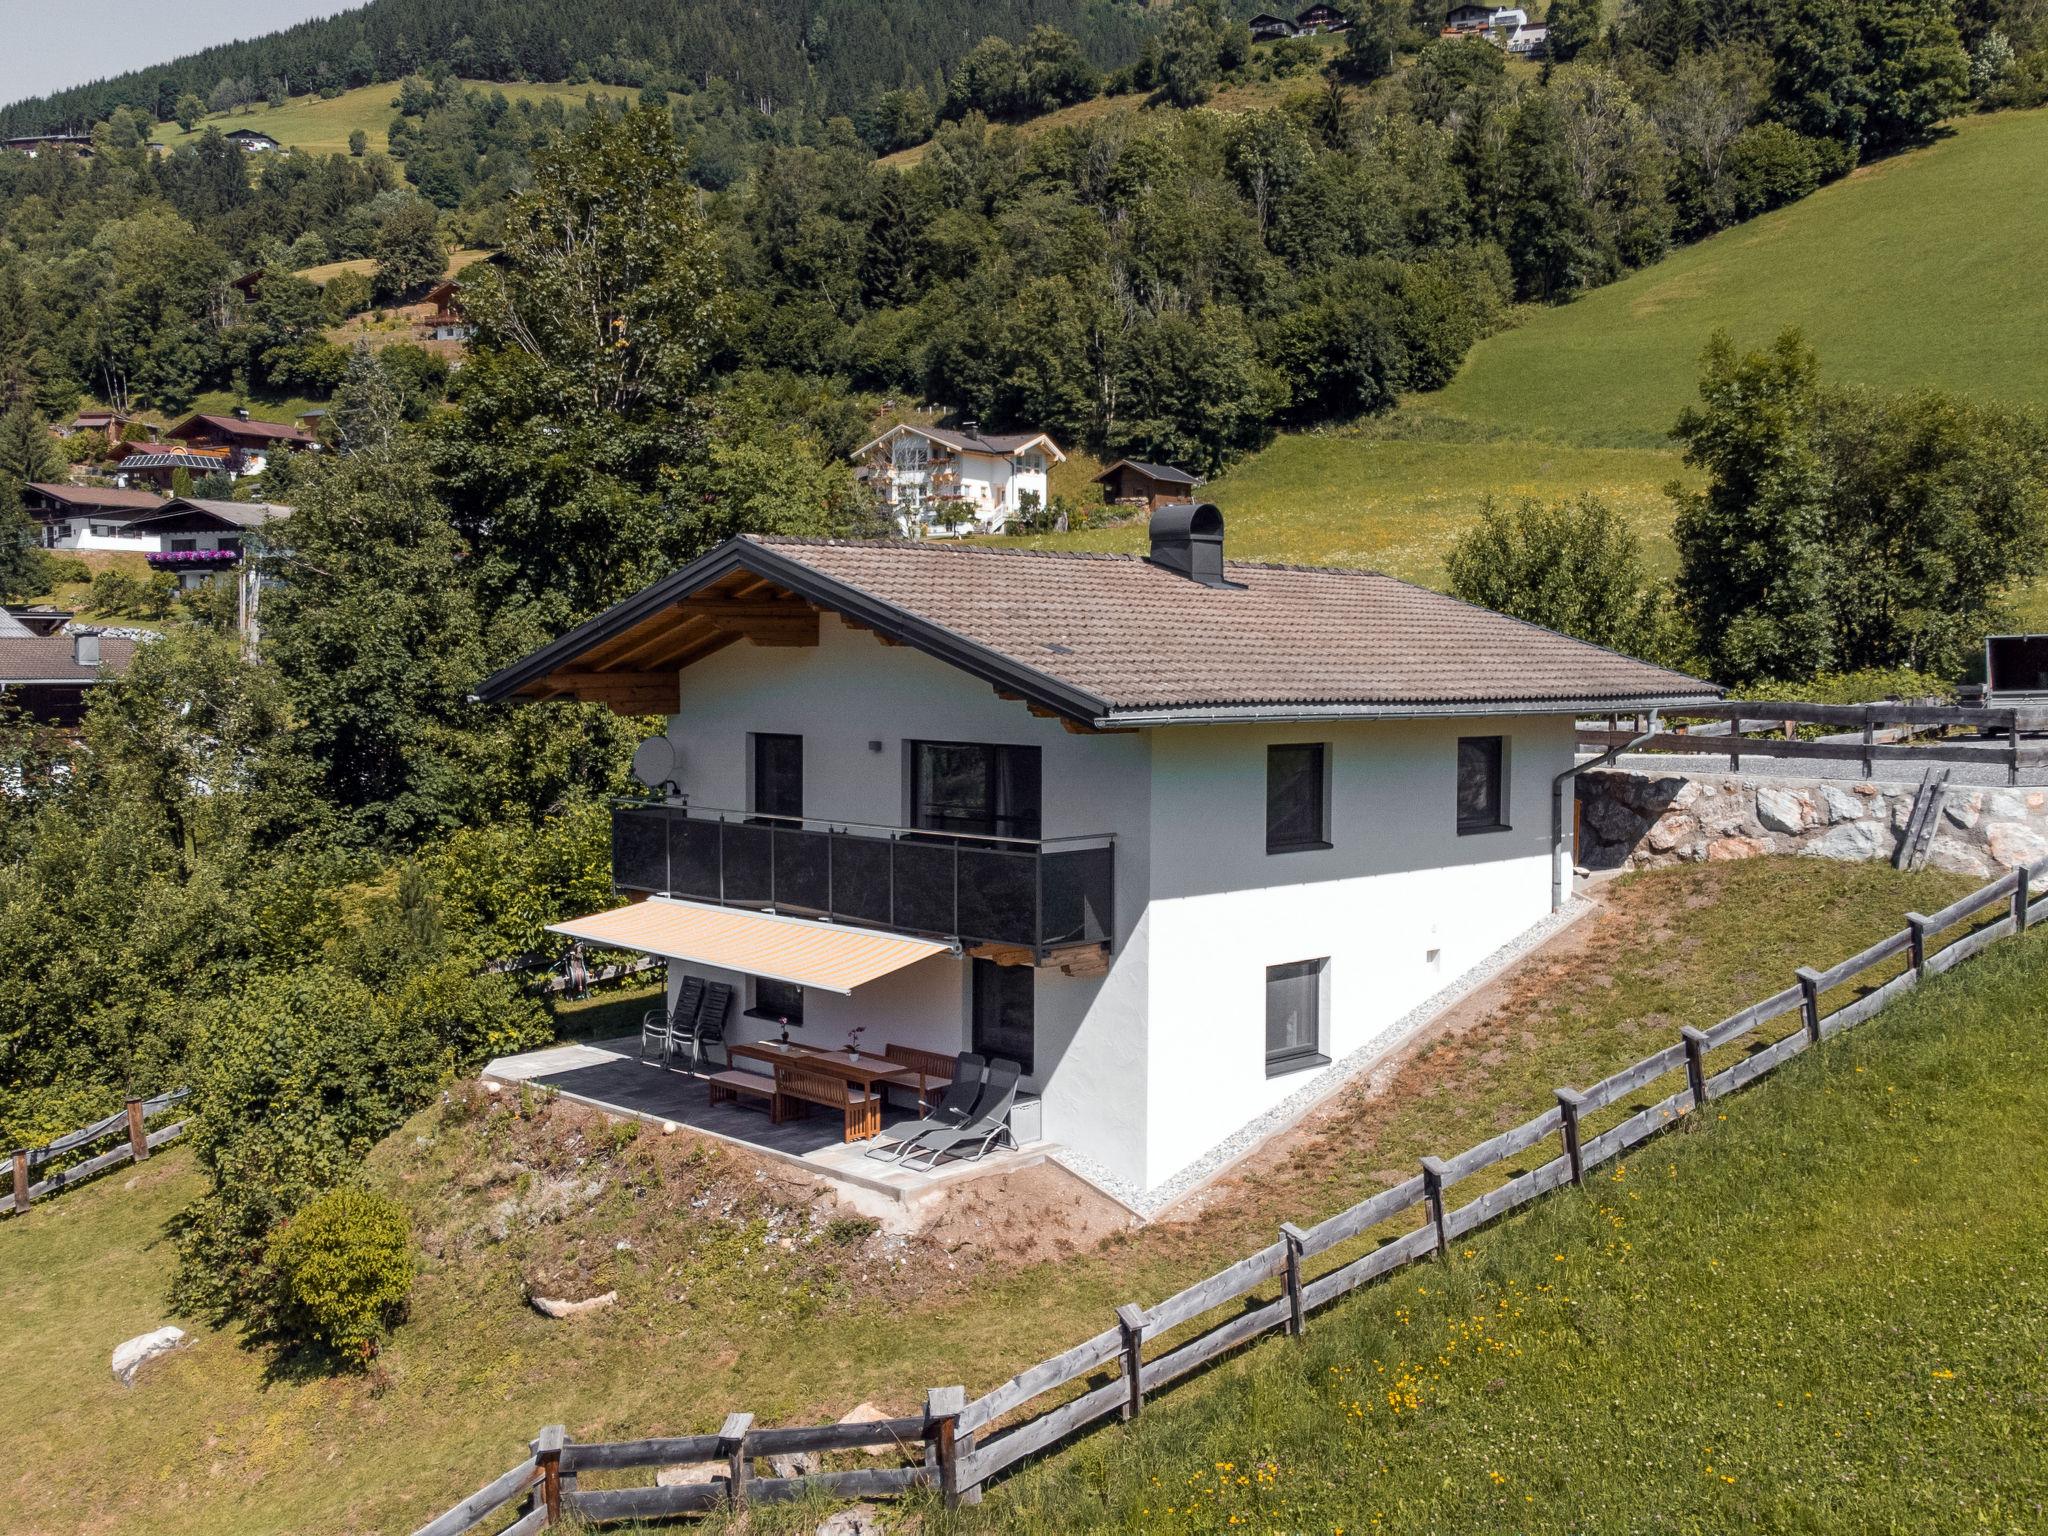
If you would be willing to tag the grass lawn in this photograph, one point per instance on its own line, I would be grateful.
(1828, 1313)
(220, 1440)
(322, 127)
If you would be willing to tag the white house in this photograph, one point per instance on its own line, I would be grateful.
(94, 517)
(195, 538)
(1176, 832)
(936, 480)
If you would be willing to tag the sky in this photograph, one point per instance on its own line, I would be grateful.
(51, 46)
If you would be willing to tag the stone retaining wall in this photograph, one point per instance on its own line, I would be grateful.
(1642, 821)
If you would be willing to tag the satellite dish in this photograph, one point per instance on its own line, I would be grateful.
(656, 764)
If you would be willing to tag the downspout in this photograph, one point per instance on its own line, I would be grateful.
(1560, 850)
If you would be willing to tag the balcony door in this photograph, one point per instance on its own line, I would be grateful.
(974, 787)
(778, 775)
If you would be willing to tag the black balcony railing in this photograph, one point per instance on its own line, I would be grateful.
(980, 890)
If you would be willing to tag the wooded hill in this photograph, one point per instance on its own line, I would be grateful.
(827, 55)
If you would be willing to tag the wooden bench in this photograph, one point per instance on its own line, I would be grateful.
(796, 1086)
(938, 1067)
(728, 1086)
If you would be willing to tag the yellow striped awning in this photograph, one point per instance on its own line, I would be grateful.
(792, 949)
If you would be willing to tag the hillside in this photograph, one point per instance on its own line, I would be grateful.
(222, 1440)
(1776, 1325)
(1914, 271)
(321, 125)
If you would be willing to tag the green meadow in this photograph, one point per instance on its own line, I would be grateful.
(1919, 271)
(321, 126)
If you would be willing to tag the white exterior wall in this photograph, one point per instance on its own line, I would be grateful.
(81, 536)
(990, 486)
(1397, 884)
(1146, 1069)
(851, 690)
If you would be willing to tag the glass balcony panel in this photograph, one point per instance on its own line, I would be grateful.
(749, 864)
(860, 878)
(998, 895)
(639, 850)
(1079, 889)
(924, 887)
(803, 869)
(693, 857)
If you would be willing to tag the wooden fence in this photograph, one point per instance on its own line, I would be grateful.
(966, 1443)
(1878, 733)
(140, 1142)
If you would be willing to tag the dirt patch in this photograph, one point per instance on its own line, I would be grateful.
(1040, 1212)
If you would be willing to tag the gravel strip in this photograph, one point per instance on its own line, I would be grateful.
(1154, 1202)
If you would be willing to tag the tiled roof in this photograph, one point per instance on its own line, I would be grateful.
(1152, 471)
(1143, 639)
(238, 514)
(49, 658)
(99, 497)
(968, 442)
(235, 426)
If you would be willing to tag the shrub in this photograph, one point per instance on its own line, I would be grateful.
(343, 1269)
(59, 569)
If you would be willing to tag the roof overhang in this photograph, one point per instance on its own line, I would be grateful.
(804, 953)
(1285, 714)
(615, 647)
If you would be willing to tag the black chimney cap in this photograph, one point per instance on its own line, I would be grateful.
(1187, 539)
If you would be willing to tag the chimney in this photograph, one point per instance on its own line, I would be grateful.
(85, 647)
(241, 413)
(1187, 539)
(971, 427)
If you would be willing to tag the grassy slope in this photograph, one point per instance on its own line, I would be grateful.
(209, 1444)
(1919, 271)
(322, 127)
(1788, 1323)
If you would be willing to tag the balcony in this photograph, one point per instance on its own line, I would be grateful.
(192, 559)
(1039, 894)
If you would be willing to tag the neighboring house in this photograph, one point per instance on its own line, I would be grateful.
(51, 143)
(1530, 42)
(249, 141)
(157, 464)
(49, 674)
(938, 480)
(1486, 18)
(1265, 27)
(195, 538)
(88, 516)
(112, 423)
(1171, 832)
(442, 319)
(1321, 18)
(247, 443)
(1135, 483)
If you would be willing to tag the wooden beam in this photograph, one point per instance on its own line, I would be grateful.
(1005, 954)
(729, 609)
(1081, 959)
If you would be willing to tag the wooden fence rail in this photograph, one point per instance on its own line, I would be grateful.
(1122, 1365)
(131, 1119)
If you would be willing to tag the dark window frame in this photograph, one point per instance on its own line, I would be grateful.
(763, 1009)
(985, 976)
(1027, 825)
(1298, 1057)
(1494, 818)
(1295, 843)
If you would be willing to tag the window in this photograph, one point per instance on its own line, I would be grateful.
(778, 1000)
(1297, 809)
(184, 546)
(1294, 1016)
(1482, 801)
(1003, 1012)
(964, 786)
(778, 775)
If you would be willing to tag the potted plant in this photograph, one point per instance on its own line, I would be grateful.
(853, 1040)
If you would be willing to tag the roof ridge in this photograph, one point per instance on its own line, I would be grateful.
(950, 547)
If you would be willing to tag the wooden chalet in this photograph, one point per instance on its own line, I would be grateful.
(1135, 483)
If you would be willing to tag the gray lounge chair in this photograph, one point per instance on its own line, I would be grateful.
(661, 1031)
(709, 1030)
(991, 1122)
(955, 1108)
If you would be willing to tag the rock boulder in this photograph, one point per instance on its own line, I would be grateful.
(132, 1355)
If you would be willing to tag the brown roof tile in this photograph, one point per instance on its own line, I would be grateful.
(1141, 638)
(50, 658)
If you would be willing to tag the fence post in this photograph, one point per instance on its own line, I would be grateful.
(2019, 899)
(1131, 1318)
(1869, 745)
(1916, 924)
(2012, 748)
(1296, 1240)
(138, 1138)
(547, 1458)
(1695, 1064)
(942, 1409)
(1568, 1102)
(1809, 1000)
(1433, 1171)
(732, 1444)
(21, 1195)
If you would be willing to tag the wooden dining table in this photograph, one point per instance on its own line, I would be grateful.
(851, 1081)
